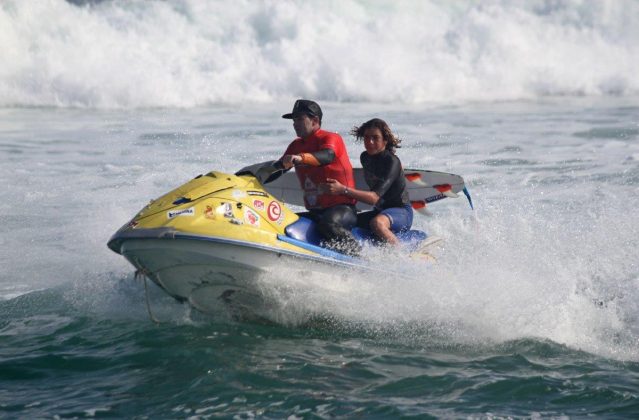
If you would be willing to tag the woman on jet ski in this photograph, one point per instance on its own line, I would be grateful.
(385, 177)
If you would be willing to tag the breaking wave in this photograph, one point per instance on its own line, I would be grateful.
(186, 53)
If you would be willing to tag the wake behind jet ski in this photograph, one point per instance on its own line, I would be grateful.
(211, 238)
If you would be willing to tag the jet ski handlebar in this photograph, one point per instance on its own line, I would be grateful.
(265, 172)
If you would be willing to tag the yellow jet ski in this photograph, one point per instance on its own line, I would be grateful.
(214, 236)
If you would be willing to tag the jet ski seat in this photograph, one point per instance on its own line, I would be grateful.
(305, 230)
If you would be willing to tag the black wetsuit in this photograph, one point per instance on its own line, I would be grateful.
(384, 175)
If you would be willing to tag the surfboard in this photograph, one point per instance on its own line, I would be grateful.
(423, 187)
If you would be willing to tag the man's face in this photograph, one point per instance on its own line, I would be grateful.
(304, 125)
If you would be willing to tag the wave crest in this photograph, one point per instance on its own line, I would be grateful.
(123, 54)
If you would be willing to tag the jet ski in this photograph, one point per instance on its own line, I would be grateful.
(208, 240)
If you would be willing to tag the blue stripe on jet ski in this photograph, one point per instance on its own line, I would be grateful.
(322, 251)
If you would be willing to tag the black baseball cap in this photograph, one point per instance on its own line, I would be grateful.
(304, 106)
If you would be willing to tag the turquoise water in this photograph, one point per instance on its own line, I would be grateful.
(530, 311)
(64, 361)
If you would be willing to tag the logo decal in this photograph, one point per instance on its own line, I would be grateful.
(228, 210)
(184, 212)
(209, 213)
(251, 217)
(259, 193)
(258, 204)
(274, 211)
(237, 194)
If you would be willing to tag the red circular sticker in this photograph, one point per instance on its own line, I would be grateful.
(274, 210)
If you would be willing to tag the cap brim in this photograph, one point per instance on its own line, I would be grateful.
(291, 115)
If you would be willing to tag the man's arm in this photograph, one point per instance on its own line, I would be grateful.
(319, 158)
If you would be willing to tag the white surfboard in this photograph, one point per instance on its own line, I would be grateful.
(423, 187)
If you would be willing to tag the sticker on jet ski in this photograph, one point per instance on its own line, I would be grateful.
(258, 204)
(274, 211)
(251, 218)
(227, 210)
(237, 194)
(259, 193)
(209, 213)
(183, 212)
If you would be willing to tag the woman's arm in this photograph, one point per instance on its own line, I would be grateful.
(334, 187)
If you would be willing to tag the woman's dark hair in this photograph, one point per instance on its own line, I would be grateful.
(392, 141)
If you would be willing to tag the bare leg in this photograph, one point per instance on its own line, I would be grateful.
(380, 225)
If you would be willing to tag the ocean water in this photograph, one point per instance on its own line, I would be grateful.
(532, 309)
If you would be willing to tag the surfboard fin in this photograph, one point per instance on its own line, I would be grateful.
(416, 178)
(420, 207)
(446, 189)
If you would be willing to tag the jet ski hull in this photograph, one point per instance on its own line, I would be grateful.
(210, 271)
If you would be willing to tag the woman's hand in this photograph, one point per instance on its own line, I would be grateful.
(333, 187)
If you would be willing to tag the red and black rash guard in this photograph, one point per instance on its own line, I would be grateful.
(384, 175)
(311, 177)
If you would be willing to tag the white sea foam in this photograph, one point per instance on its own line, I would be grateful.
(187, 53)
(518, 272)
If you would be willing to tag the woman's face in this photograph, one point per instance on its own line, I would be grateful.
(374, 141)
